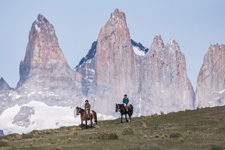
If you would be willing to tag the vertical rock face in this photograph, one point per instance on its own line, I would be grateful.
(44, 59)
(4, 85)
(155, 79)
(164, 82)
(210, 89)
(109, 75)
(44, 73)
(114, 58)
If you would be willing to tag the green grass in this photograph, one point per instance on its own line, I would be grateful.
(202, 129)
(3, 143)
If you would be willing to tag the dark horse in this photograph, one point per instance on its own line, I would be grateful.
(84, 117)
(123, 111)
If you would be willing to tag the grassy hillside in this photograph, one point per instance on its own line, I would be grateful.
(188, 130)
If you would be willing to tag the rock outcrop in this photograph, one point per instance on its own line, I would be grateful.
(210, 89)
(44, 73)
(4, 85)
(164, 83)
(23, 116)
(44, 63)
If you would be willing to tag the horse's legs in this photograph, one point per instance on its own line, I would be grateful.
(121, 118)
(91, 120)
(86, 123)
(96, 120)
(126, 117)
(81, 126)
(129, 117)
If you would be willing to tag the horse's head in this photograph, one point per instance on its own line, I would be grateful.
(78, 110)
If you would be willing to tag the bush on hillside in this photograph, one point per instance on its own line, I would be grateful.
(127, 131)
(175, 135)
(3, 143)
(107, 136)
(216, 147)
(27, 136)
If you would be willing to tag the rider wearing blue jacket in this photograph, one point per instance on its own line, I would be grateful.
(125, 101)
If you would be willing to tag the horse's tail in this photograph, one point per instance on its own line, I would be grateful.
(95, 117)
(131, 112)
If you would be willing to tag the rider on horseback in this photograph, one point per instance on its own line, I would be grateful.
(125, 102)
(87, 107)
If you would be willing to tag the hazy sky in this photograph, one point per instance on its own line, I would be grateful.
(194, 24)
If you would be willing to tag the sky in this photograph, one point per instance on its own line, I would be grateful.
(194, 24)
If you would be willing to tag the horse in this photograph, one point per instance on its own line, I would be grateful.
(121, 108)
(84, 117)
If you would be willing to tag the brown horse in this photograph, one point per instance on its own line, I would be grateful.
(121, 108)
(84, 116)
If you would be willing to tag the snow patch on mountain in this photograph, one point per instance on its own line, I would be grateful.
(138, 51)
(44, 117)
(220, 92)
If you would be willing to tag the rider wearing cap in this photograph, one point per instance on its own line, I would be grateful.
(125, 101)
(87, 107)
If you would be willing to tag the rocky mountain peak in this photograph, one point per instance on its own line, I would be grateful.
(117, 17)
(41, 26)
(44, 57)
(4, 85)
(172, 45)
(42, 19)
(157, 43)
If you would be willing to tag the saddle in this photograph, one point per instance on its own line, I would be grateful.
(88, 115)
(127, 108)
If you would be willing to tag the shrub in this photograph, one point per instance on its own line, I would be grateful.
(181, 140)
(17, 137)
(108, 136)
(175, 135)
(63, 128)
(3, 143)
(189, 131)
(58, 148)
(154, 148)
(215, 147)
(145, 136)
(164, 135)
(27, 136)
(144, 126)
(142, 147)
(47, 131)
(128, 131)
(69, 139)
